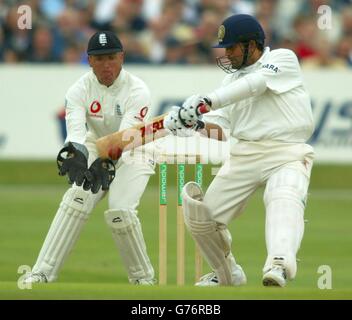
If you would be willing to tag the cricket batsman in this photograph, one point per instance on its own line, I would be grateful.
(104, 100)
(265, 107)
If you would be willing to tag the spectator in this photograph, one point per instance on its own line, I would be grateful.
(52, 8)
(206, 33)
(174, 53)
(346, 18)
(1, 44)
(145, 25)
(9, 56)
(344, 49)
(306, 30)
(313, 8)
(42, 46)
(128, 16)
(72, 54)
(266, 11)
(181, 46)
(153, 39)
(104, 13)
(16, 41)
(134, 50)
(70, 29)
(324, 57)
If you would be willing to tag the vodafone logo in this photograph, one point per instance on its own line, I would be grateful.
(95, 107)
(142, 113)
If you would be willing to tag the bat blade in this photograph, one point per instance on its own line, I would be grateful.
(112, 145)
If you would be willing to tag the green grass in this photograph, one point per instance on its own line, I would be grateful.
(16, 172)
(94, 270)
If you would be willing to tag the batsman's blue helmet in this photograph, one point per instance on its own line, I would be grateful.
(239, 28)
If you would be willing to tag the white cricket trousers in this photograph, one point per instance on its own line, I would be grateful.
(284, 168)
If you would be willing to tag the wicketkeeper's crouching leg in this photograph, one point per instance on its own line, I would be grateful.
(127, 234)
(213, 239)
(72, 214)
(122, 218)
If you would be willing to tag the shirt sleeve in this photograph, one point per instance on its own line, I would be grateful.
(138, 108)
(75, 114)
(282, 73)
(220, 116)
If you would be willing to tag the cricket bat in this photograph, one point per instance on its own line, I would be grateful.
(112, 145)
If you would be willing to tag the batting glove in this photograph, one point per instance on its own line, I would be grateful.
(189, 113)
(173, 124)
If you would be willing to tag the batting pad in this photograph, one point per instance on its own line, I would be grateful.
(284, 198)
(64, 231)
(214, 242)
(128, 236)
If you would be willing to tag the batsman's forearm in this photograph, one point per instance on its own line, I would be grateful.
(248, 86)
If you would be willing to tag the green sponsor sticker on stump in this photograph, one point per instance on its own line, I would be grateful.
(199, 174)
(163, 184)
(180, 181)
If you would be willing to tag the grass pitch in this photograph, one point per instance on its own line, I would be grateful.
(28, 203)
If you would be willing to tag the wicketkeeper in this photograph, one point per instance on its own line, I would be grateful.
(102, 101)
(265, 107)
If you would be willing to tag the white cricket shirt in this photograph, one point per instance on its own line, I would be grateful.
(282, 113)
(94, 110)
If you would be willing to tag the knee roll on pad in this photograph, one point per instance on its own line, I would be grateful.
(128, 237)
(74, 210)
(194, 208)
(213, 239)
(285, 193)
(197, 216)
(79, 200)
(284, 199)
(122, 220)
(287, 184)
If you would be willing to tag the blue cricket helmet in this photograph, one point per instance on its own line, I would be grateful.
(239, 28)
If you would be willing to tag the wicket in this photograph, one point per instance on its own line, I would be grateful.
(180, 226)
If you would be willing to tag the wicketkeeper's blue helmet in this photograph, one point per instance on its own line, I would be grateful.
(239, 28)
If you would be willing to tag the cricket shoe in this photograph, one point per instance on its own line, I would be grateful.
(35, 277)
(144, 282)
(210, 279)
(275, 277)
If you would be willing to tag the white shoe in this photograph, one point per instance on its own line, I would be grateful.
(143, 282)
(210, 279)
(276, 277)
(35, 277)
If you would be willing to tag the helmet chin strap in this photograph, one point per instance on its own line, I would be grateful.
(245, 54)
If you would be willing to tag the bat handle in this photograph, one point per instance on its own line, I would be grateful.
(203, 108)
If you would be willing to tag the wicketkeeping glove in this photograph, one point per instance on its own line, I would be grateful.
(100, 174)
(73, 162)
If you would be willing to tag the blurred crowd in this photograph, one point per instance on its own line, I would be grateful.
(173, 31)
